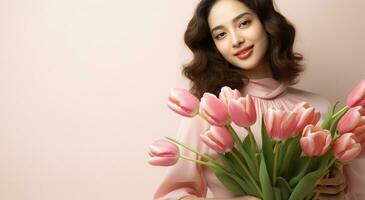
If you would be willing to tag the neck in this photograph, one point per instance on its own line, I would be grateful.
(262, 70)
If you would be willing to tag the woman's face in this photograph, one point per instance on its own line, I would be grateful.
(234, 28)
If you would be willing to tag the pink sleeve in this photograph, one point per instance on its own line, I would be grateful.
(185, 178)
(354, 172)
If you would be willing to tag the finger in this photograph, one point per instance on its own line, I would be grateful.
(330, 190)
(332, 181)
(339, 165)
(340, 196)
(337, 179)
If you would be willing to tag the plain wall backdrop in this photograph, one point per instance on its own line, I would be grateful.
(84, 85)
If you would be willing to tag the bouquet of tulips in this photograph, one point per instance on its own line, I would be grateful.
(295, 152)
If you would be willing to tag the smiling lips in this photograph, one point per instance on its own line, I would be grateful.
(244, 53)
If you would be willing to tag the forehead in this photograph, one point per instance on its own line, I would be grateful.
(223, 11)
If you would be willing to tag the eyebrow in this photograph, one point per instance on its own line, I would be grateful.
(234, 19)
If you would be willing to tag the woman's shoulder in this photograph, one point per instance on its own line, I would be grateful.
(319, 101)
(307, 94)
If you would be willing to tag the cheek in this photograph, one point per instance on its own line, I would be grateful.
(256, 33)
(223, 47)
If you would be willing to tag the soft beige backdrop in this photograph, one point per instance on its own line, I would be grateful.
(83, 87)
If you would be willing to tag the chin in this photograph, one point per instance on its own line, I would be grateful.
(246, 65)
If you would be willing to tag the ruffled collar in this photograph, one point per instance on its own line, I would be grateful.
(264, 88)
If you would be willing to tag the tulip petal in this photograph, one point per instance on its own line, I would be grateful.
(162, 147)
(183, 102)
(357, 95)
(162, 161)
(214, 110)
(307, 146)
(212, 144)
(349, 121)
(351, 153)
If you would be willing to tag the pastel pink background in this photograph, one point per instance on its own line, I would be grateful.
(83, 87)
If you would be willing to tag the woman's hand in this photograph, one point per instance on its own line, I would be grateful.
(332, 188)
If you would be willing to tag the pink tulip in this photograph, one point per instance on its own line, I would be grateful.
(214, 110)
(357, 95)
(242, 111)
(354, 122)
(306, 115)
(280, 124)
(227, 94)
(346, 147)
(315, 141)
(183, 102)
(218, 138)
(163, 153)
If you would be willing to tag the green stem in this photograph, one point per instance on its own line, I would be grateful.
(235, 137)
(212, 165)
(340, 111)
(191, 149)
(252, 139)
(194, 160)
(276, 152)
(247, 172)
(332, 162)
(337, 118)
(197, 152)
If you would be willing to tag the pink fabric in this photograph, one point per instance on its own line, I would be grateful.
(187, 178)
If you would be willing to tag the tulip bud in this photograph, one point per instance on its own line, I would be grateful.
(242, 111)
(280, 124)
(306, 115)
(218, 138)
(346, 147)
(163, 153)
(214, 110)
(353, 122)
(227, 94)
(315, 141)
(357, 95)
(183, 102)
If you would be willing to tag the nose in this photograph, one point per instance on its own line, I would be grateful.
(237, 39)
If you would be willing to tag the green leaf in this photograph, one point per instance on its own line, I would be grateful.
(227, 162)
(277, 193)
(251, 152)
(246, 187)
(307, 184)
(285, 189)
(282, 156)
(335, 121)
(301, 169)
(328, 120)
(228, 181)
(266, 188)
(310, 180)
(267, 147)
(241, 177)
(292, 154)
(296, 163)
(249, 163)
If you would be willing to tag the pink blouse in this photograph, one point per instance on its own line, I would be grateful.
(186, 178)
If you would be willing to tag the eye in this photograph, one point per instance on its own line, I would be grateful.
(245, 23)
(220, 35)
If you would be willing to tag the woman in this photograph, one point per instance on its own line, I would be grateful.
(246, 45)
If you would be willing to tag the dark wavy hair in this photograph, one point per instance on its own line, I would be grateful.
(208, 71)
